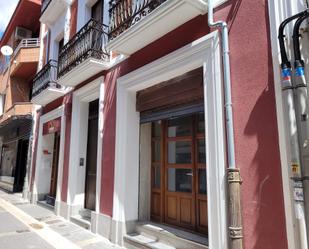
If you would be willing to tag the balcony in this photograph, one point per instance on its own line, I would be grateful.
(52, 9)
(84, 55)
(18, 110)
(25, 58)
(45, 87)
(136, 23)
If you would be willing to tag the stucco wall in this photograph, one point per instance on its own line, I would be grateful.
(256, 135)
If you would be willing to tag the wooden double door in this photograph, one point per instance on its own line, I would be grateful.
(178, 173)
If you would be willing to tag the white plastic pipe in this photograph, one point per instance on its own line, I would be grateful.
(234, 203)
(227, 84)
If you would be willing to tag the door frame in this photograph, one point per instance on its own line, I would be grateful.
(76, 182)
(86, 159)
(55, 169)
(204, 52)
(54, 114)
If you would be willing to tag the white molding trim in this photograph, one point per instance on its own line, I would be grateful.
(79, 130)
(204, 52)
(89, 92)
(100, 145)
(56, 113)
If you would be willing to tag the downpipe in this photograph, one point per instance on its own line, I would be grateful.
(288, 99)
(235, 230)
(302, 118)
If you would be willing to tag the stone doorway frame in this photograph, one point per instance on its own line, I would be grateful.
(204, 52)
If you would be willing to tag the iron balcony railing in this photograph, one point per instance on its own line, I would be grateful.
(125, 13)
(88, 42)
(46, 77)
(44, 5)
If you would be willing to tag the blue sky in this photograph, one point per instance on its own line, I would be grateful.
(7, 8)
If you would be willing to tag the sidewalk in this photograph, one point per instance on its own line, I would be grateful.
(25, 225)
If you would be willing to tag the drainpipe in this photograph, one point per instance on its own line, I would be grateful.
(291, 123)
(302, 118)
(233, 174)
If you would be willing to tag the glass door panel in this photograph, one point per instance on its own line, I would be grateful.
(178, 172)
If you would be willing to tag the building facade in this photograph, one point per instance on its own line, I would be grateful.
(130, 139)
(17, 71)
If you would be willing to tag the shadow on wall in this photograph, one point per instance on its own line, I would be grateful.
(109, 134)
(233, 7)
(267, 204)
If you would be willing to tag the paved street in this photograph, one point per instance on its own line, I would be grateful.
(28, 226)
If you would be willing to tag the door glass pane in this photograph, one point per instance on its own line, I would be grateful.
(202, 181)
(179, 127)
(156, 132)
(157, 177)
(201, 157)
(156, 151)
(179, 152)
(201, 123)
(179, 180)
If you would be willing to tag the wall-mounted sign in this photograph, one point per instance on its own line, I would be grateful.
(52, 126)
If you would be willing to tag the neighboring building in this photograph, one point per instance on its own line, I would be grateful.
(130, 139)
(17, 71)
(279, 11)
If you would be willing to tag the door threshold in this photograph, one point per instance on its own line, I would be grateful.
(45, 204)
(81, 221)
(172, 231)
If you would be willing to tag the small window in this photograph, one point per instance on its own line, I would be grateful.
(97, 11)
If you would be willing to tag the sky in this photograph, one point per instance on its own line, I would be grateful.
(7, 8)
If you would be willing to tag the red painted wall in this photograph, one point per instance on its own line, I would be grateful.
(256, 134)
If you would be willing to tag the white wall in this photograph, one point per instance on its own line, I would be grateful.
(145, 172)
(79, 134)
(56, 34)
(84, 12)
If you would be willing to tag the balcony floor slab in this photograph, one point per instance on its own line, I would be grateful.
(83, 71)
(167, 17)
(48, 95)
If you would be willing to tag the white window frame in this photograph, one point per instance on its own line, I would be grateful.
(204, 52)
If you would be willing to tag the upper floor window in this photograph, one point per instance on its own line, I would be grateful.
(97, 11)
(60, 45)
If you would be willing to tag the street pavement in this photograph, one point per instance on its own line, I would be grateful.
(28, 226)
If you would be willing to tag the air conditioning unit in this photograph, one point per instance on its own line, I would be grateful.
(22, 33)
